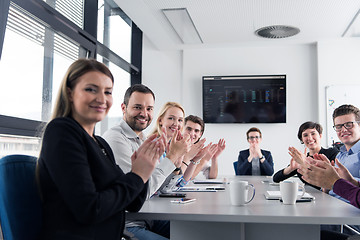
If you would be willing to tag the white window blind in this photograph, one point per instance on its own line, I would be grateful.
(31, 28)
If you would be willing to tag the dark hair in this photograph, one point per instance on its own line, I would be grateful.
(136, 88)
(196, 119)
(253, 129)
(309, 125)
(345, 110)
(77, 69)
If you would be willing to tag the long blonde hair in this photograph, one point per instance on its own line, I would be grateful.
(75, 71)
(164, 109)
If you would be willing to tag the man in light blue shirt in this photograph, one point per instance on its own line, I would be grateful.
(346, 124)
(351, 159)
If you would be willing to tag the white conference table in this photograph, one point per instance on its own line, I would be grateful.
(212, 216)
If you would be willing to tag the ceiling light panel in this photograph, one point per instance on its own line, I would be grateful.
(183, 25)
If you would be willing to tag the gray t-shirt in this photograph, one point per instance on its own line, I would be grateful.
(255, 163)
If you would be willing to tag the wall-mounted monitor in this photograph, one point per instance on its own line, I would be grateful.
(244, 99)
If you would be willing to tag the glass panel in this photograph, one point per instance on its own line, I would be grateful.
(73, 10)
(21, 67)
(61, 65)
(113, 31)
(19, 145)
(34, 60)
(121, 84)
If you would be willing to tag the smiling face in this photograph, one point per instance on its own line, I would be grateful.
(194, 131)
(348, 136)
(139, 111)
(254, 138)
(312, 140)
(91, 99)
(172, 120)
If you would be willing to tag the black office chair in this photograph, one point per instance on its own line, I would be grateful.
(20, 204)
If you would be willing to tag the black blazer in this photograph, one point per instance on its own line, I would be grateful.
(85, 194)
(244, 167)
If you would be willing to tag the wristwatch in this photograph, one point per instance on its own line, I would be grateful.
(262, 157)
(195, 163)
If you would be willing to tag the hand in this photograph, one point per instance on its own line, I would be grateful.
(293, 166)
(209, 150)
(194, 150)
(145, 158)
(178, 147)
(220, 148)
(298, 156)
(319, 173)
(166, 139)
(345, 174)
(255, 151)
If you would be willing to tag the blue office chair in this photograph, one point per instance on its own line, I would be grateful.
(235, 166)
(20, 204)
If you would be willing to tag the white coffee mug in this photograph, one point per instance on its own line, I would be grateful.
(239, 192)
(289, 191)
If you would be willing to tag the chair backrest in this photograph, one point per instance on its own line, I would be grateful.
(20, 204)
(235, 166)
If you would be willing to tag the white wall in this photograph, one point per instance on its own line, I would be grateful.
(297, 62)
(176, 76)
(162, 73)
(338, 63)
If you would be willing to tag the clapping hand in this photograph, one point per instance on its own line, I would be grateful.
(297, 156)
(194, 150)
(144, 159)
(220, 148)
(179, 146)
(254, 150)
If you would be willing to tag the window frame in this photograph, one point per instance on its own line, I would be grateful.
(86, 38)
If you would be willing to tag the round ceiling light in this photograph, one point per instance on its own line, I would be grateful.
(277, 31)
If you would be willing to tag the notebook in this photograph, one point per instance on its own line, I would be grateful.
(276, 195)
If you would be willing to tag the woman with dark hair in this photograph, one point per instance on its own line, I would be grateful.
(85, 194)
(255, 161)
(310, 134)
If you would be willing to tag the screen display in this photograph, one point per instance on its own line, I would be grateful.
(244, 99)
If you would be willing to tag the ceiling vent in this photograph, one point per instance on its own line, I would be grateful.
(277, 31)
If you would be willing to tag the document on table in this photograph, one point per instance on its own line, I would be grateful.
(276, 195)
(192, 188)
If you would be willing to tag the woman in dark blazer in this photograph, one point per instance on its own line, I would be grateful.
(85, 194)
(255, 161)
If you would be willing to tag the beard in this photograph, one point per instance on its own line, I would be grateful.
(135, 125)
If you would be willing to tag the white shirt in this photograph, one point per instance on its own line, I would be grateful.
(124, 142)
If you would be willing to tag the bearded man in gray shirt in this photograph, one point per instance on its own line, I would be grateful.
(125, 138)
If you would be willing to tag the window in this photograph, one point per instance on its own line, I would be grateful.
(114, 28)
(72, 10)
(38, 41)
(34, 59)
(19, 145)
(121, 83)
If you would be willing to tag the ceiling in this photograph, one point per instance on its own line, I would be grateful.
(233, 22)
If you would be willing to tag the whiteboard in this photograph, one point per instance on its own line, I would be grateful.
(337, 95)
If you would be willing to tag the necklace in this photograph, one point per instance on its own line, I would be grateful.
(102, 149)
